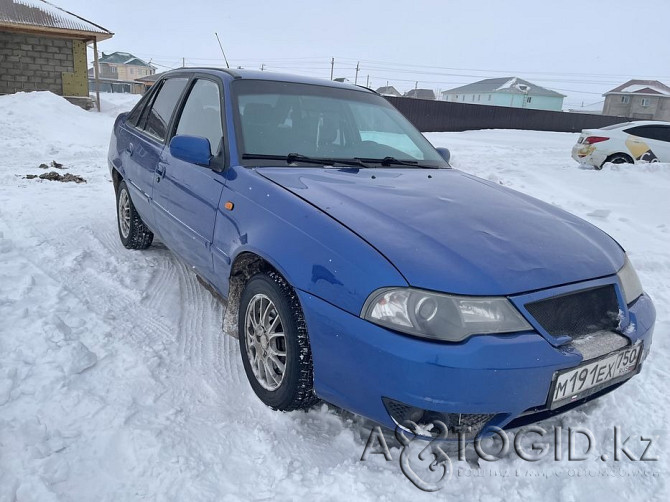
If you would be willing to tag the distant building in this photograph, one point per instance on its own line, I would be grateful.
(389, 90)
(43, 48)
(507, 91)
(420, 94)
(639, 99)
(149, 80)
(119, 72)
(123, 66)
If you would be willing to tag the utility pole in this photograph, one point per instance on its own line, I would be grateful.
(356, 77)
(367, 82)
(183, 62)
(332, 66)
(263, 67)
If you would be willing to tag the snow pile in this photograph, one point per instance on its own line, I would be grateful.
(39, 127)
(117, 384)
(113, 104)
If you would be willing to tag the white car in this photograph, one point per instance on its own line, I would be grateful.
(629, 142)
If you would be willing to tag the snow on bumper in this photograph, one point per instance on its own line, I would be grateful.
(357, 363)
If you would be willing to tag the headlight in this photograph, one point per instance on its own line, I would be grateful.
(442, 317)
(630, 283)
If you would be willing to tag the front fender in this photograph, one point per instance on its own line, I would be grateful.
(315, 253)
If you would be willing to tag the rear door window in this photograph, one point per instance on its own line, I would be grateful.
(659, 133)
(156, 118)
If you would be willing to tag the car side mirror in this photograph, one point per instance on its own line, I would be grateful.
(192, 149)
(444, 153)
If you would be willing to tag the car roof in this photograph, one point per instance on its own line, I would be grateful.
(634, 123)
(242, 74)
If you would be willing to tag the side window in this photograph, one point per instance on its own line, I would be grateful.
(156, 120)
(640, 131)
(136, 112)
(201, 115)
(659, 133)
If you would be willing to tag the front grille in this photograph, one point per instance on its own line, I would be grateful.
(578, 314)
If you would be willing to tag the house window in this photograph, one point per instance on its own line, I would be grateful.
(645, 102)
(473, 97)
(625, 99)
(489, 97)
(479, 97)
(528, 99)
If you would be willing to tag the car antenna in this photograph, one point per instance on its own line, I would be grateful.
(221, 46)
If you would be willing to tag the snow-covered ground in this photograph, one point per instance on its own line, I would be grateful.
(117, 384)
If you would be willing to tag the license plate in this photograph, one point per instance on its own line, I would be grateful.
(589, 378)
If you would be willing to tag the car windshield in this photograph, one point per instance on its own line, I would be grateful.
(315, 124)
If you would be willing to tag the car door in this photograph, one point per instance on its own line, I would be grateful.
(186, 195)
(651, 143)
(146, 135)
(663, 142)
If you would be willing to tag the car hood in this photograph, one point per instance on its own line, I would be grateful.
(448, 231)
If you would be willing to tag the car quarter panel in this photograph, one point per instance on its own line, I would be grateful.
(314, 252)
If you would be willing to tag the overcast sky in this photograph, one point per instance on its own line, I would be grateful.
(579, 48)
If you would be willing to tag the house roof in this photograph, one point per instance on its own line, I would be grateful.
(634, 86)
(420, 93)
(507, 85)
(123, 58)
(388, 90)
(149, 78)
(42, 16)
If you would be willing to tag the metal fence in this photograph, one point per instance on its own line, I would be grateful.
(438, 116)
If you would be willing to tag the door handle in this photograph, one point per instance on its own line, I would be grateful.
(129, 148)
(160, 172)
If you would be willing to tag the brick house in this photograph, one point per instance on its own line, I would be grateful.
(639, 99)
(43, 48)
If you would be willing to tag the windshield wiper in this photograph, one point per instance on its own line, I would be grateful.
(392, 161)
(297, 157)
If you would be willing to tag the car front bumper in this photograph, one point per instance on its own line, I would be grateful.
(359, 366)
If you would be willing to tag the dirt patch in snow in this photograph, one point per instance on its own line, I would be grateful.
(54, 176)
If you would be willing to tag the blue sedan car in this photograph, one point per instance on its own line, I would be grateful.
(359, 268)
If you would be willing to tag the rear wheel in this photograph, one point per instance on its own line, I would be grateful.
(274, 344)
(617, 158)
(133, 232)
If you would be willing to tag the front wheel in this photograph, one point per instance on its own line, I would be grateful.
(274, 344)
(133, 232)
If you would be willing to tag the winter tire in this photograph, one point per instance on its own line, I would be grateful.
(274, 344)
(133, 232)
(616, 158)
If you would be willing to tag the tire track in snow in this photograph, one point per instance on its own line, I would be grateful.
(202, 341)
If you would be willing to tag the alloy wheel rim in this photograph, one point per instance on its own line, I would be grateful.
(265, 342)
(124, 213)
